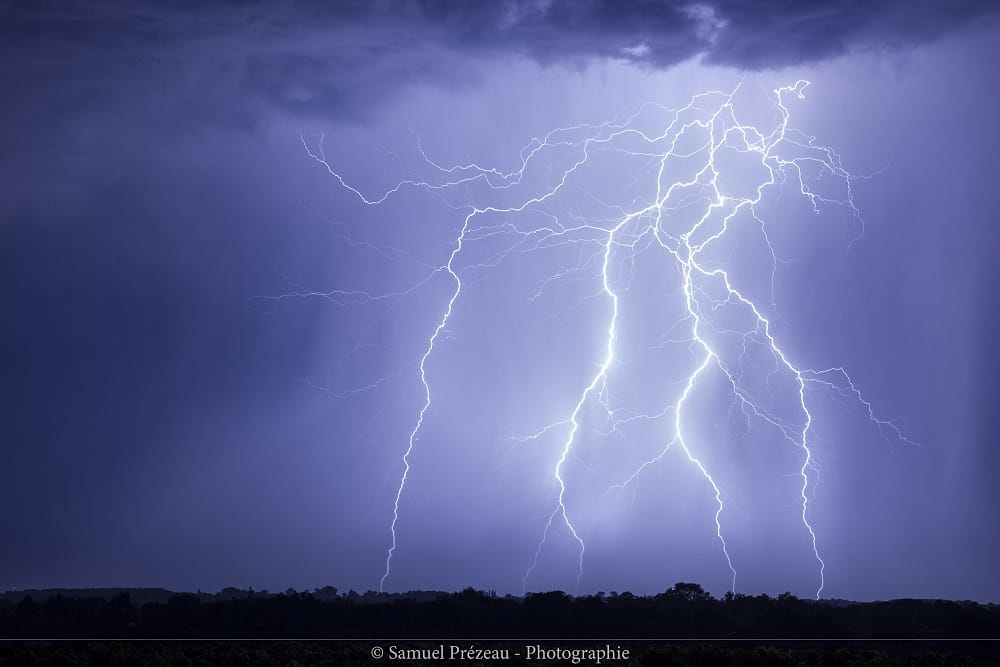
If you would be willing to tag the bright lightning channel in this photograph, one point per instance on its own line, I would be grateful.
(683, 246)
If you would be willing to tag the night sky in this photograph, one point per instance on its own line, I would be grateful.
(229, 242)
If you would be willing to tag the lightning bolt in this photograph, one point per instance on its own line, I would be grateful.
(710, 121)
(427, 396)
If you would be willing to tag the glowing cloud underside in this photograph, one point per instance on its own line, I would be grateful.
(696, 134)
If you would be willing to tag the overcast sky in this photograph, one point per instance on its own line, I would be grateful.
(168, 422)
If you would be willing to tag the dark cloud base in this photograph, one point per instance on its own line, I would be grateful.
(343, 59)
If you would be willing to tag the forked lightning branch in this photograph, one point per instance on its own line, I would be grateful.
(698, 133)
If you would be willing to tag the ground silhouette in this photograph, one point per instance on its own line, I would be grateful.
(682, 625)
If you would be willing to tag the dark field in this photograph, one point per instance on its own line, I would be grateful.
(682, 626)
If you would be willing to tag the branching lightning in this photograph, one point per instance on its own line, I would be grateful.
(700, 131)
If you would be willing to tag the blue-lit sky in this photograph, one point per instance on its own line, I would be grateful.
(184, 408)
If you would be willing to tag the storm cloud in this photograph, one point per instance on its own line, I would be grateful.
(232, 61)
(165, 426)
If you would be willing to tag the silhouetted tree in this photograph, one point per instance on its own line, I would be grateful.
(688, 592)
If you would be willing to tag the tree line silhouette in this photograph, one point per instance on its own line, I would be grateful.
(685, 613)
